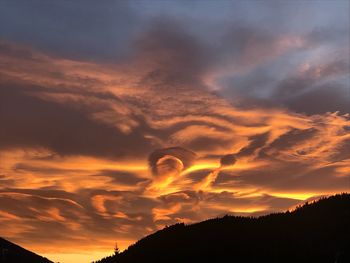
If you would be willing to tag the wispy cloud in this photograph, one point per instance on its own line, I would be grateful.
(186, 126)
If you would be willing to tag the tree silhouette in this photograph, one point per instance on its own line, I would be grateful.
(116, 249)
(315, 232)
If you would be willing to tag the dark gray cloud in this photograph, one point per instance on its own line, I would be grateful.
(30, 121)
(289, 139)
(331, 97)
(319, 88)
(24, 168)
(197, 176)
(183, 46)
(256, 143)
(228, 159)
(306, 79)
(203, 143)
(343, 150)
(78, 29)
(122, 177)
(316, 90)
(289, 176)
(177, 58)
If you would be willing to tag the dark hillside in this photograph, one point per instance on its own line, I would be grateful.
(315, 232)
(12, 253)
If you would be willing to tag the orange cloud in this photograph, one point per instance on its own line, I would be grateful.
(79, 158)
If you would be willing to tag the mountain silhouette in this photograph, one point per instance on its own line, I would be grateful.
(315, 232)
(12, 253)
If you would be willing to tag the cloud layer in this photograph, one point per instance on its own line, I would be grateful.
(181, 124)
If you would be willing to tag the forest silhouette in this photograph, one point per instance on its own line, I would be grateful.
(314, 232)
(12, 253)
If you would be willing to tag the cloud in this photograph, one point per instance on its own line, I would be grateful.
(325, 98)
(228, 159)
(37, 115)
(307, 78)
(303, 89)
(290, 139)
(191, 123)
(169, 57)
(31, 122)
(122, 177)
(256, 143)
(170, 158)
(65, 29)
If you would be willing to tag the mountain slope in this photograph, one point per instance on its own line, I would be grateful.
(12, 253)
(316, 232)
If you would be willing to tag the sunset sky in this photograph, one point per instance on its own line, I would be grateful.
(118, 118)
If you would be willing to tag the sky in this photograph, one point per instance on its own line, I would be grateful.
(118, 118)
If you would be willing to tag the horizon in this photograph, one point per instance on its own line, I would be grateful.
(118, 118)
